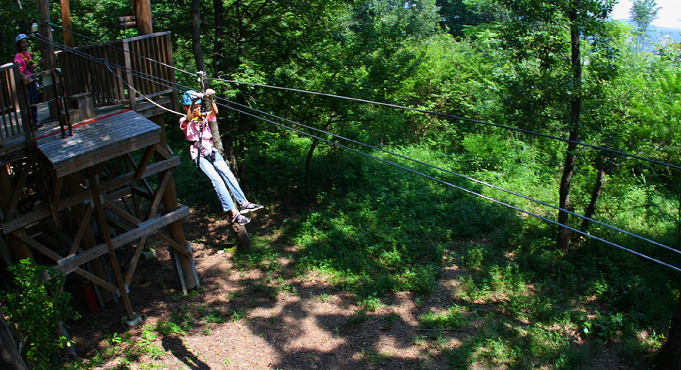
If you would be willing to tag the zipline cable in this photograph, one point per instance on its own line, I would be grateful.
(452, 173)
(529, 132)
(104, 62)
(389, 105)
(464, 190)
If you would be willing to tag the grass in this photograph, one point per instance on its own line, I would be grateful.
(374, 230)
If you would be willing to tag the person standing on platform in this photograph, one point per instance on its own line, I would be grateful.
(26, 66)
(197, 131)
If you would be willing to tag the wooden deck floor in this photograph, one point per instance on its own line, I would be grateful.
(97, 140)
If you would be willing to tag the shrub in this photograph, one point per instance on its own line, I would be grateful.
(35, 307)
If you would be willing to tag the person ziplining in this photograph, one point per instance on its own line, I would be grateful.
(208, 159)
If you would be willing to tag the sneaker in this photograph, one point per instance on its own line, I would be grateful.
(240, 219)
(250, 207)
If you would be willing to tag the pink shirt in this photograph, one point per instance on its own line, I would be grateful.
(192, 131)
(23, 66)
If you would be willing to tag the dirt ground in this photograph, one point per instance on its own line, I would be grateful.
(245, 319)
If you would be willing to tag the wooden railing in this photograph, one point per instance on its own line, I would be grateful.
(107, 71)
(13, 105)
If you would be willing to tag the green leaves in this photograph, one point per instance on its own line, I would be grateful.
(36, 306)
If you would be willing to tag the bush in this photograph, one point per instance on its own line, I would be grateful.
(35, 307)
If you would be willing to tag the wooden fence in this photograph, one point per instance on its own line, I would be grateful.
(107, 71)
(13, 105)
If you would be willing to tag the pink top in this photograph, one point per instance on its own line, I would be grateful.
(21, 58)
(192, 131)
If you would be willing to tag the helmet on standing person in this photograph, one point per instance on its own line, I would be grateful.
(188, 97)
(20, 37)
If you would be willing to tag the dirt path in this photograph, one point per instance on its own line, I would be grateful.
(246, 319)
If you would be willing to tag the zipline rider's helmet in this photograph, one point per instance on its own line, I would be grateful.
(188, 97)
(20, 37)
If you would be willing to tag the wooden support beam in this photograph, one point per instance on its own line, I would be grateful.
(180, 248)
(37, 215)
(167, 177)
(104, 231)
(21, 235)
(135, 259)
(66, 23)
(99, 281)
(122, 214)
(67, 265)
(18, 190)
(144, 161)
(84, 225)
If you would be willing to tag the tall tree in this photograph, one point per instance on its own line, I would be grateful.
(643, 13)
(196, 35)
(458, 14)
(544, 88)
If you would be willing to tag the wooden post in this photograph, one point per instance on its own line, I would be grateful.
(66, 23)
(49, 59)
(143, 17)
(44, 28)
(104, 230)
(175, 229)
(17, 248)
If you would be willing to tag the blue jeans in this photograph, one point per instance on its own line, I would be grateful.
(222, 178)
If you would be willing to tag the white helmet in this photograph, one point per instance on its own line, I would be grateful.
(20, 37)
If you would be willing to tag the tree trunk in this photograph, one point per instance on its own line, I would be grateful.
(219, 46)
(596, 194)
(10, 358)
(669, 355)
(308, 159)
(308, 164)
(196, 35)
(571, 156)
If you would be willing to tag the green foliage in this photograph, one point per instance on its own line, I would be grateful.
(456, 317)
(36, 307)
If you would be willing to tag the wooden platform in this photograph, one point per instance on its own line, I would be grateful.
(97, 140)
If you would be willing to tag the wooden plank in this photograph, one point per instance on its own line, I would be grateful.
(36, 245)
(135, 259)
(43, 212)
(144, 161)
(128, 75)
(95, 279)
(177, 246)
(84, 224)
(147, 228)
(97, 133)
(167, 177)
(105, 233)
(123, 214)
(104, 156)
(111, 132)
(18, 190)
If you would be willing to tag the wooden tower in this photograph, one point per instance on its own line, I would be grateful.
(98, 176)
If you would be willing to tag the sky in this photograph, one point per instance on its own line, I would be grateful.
(668, 16)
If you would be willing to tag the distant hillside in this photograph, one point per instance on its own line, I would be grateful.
(658, 33)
